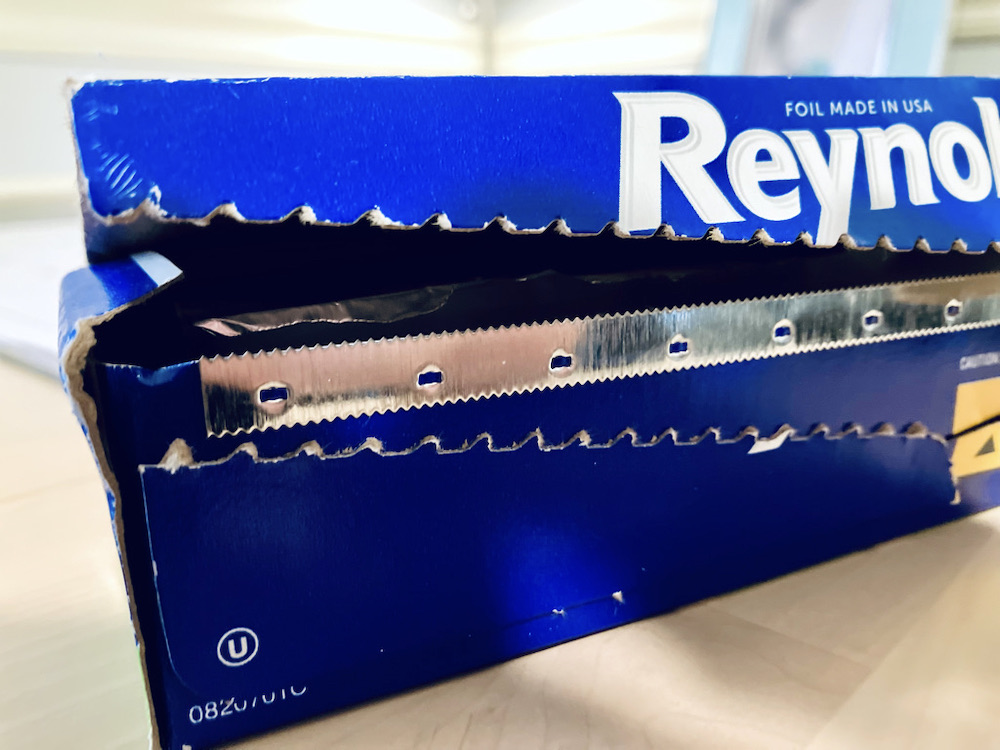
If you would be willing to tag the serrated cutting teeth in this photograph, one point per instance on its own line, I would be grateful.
(264, 390)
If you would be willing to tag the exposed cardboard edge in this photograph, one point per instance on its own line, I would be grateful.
(72, 363)
(179, 454)
(74, 359)
(150, 210)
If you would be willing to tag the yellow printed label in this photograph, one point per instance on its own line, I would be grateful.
(977, 451)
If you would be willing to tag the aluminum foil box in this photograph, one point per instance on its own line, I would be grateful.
(359, 434)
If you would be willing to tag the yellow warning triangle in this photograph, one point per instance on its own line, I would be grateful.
(976, 402)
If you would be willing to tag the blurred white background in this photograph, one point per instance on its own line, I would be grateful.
(892, 648)
(46, 43)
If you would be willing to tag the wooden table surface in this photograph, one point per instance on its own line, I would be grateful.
(895, 647)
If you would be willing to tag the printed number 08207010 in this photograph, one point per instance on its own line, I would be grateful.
(231, 706)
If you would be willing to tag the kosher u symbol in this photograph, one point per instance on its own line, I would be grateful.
(237, 647)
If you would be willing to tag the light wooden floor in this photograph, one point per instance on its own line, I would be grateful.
(897, 647)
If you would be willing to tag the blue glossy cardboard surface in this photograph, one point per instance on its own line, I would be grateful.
(907, 158)
(369, 590)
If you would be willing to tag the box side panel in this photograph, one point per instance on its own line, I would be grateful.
(336, 580)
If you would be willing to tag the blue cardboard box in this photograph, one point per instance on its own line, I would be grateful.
(359, 433)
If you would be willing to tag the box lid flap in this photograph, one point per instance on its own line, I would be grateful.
(916, 160)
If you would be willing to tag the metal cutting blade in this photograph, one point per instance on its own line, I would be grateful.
(262, 390)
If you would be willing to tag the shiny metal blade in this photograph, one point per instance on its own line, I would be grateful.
(244, 392)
